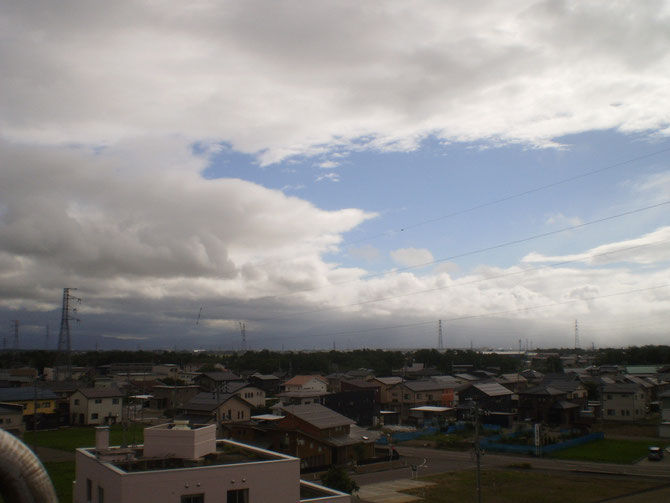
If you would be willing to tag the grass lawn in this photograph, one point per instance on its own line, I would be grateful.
(608, 451)
(68, 439)
(500, 486)
(62, 475)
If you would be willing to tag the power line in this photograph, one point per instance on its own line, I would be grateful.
(483, 205)
(453, 257)
(513, 196)
(481, 315)
(465, 283)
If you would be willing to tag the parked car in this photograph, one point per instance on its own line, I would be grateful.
(655, 454)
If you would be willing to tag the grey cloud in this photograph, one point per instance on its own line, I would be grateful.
(290, 78)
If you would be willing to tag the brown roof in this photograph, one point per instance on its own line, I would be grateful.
(318, 415)
(302, 380)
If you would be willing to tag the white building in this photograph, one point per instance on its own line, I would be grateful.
(179, 464)
(96, 406)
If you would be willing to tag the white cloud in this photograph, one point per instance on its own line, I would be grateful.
(561, 220)
(650, 248)
(328, 164)
(366, 252)
(67, 217)
(288, 188)
(657, 185)
(411, 256)
(331, 177)
(378, 76)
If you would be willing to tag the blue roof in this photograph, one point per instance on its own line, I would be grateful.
(25, 394)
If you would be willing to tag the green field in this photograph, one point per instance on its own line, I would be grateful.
(607, 451)
(62, 475)
(68, 439)
(500, 486)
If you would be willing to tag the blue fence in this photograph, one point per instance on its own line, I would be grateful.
(403, 436)
(490, 444)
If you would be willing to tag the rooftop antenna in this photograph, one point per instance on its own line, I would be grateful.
(243, 330)
(440, 341)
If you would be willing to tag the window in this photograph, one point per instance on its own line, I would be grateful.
(610, 412)
(238, 496)
(45, 404)
(418, 395)
(98, 400)
(76, 401)
(115, 401)
(1, 420)
(101, 495)
(609, 397)
(89, 491)
(406, 396)
(94, 415)
(193, 498)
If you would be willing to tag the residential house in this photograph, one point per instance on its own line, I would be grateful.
(39, 405)
(171, 397)
(385, 384)
(360, 385)
(513, 382)
(182, 464)
(300, 397)
(204, 407)
(410, 394)
(267, 382)
(63, 389)
(491, 397)
(11, 418)
(319, 436)
(211, 381)
(623, 402)
(548, 405)
(359, 404)
(96, 406)
(306, 383)
(255, 396)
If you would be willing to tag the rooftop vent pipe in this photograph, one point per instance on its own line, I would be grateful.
(23, 479)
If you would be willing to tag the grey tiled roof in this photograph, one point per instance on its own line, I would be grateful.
(318, 415)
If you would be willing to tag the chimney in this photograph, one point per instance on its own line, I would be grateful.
(101, 438)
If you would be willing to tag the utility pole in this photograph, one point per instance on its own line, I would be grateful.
(440, 341)
(576, 335)
(64, 340)
(46, 337)
(478, 455)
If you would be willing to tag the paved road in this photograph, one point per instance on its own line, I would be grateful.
(432, 461)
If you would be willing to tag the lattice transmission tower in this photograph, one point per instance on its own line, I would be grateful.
(64, 340)
(440, 340)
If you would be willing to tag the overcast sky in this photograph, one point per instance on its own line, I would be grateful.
(336, 174)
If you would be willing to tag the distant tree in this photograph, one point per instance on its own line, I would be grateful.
(337, 478)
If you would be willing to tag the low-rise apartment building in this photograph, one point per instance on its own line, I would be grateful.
(623, 402)
(182, 464)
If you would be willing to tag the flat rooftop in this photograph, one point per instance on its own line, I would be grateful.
(132, 459)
